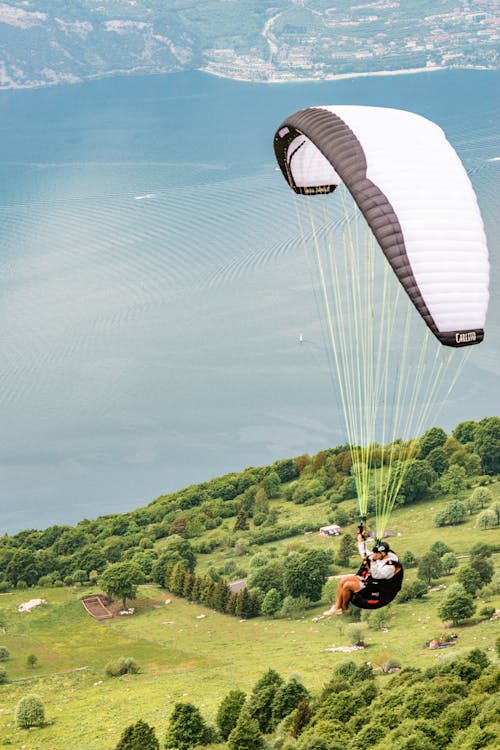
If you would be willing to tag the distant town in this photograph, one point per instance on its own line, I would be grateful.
(46, 42)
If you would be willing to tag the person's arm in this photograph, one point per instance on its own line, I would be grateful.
(362, 546)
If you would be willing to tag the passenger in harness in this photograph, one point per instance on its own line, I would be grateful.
(375, 584)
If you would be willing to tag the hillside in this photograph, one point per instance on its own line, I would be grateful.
(48, 42)
(188, 652)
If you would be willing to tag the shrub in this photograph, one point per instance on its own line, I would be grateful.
(4, 653)
(125, 665)
(487, 612)
(377, 619)
(415, 590)
(294, 605)
(30, 712)
(487, 519)
(357, 633)
(3, 675)
(344, 670)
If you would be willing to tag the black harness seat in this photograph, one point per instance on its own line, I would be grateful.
(377, 593)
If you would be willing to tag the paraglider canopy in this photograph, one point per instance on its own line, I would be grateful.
(416, 197)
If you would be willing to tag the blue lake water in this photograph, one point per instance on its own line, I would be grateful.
(153, 290)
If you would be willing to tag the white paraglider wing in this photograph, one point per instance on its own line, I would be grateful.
(415, 195)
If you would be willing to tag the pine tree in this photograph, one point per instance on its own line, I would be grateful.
(139, 736)
(301, 718)
(229, 711)
(261, 700)
(186, 728)
(197, 588)
(187, 589)
(207, 591)
(241, 523)
(176, 579)
(246, 734)
(286, 698)
(220, 596)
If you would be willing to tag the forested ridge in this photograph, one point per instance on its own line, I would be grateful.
(442, 464)
(247, 545)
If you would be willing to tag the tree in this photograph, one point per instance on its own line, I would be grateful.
(268, 576)
(449, 561)
(138, 736)
(440, 548)
(176, 579)
(241, 523)
(417, 477)
(465, 432)
(470, 580)
(495, 508)
(438, 459)
(186, 728)
(23, 567)
(262, 697)
(271, 603)
(452, 515)
(306, 572)
(487, 444)
(246, 604)
(246, 734)
(229, 711)
(429, 567)
(121, 580)
(286, 699)
(177, 550)
(487, 519)
(347, 548)
(271, 484)
(287, 470)
(483, 567)
(457, 606)
(347, 490)
(32, 660)
(80, 576)
(453, 480)
(30, 712)
(301, 718)
(433, 438)
(482, 497)
(409, 560)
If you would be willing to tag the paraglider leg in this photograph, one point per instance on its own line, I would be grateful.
(348, 585)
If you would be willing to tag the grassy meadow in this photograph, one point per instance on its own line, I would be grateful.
(189, 653)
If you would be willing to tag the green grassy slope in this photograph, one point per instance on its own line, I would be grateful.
(184, 657)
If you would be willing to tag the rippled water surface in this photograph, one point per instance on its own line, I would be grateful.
(154, 289)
